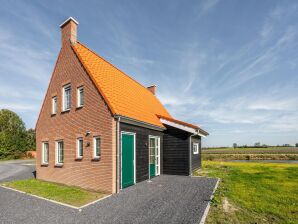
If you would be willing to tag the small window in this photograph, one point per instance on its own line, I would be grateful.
(195, 148)
(45, 153)
(59, 153)
(96, 147)
(66, 97)
(80, 148)
(54, 105)
(80, 96)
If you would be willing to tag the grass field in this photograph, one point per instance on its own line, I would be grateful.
(253, 192)
(274, 153)
(57, 192)
(274, 150)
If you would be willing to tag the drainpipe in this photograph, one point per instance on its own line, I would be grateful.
(117, 157)
(190, 154)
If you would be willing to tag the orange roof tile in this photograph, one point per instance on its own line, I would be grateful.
(124, 95)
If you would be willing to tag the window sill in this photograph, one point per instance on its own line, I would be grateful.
(65, 111)
(79, 107)
(53, 115)
(79, 158)
(96, 158)
(59, 165)
(44, 164)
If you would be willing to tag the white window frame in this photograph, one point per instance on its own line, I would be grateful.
(195, 148)
(54, 104)
(63, 98)
(80, 96)
(43, 153)
(78, 148)
(57, 155)
(94, 147)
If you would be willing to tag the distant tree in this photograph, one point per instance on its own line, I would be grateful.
(296, 144)
(30, 139)
(257, 144)
(234, 145)
(12, 134)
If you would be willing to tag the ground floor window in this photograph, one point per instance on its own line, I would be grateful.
(45, 153)
(96, 147)
(195, 148)
(59, 152)
(80, 147)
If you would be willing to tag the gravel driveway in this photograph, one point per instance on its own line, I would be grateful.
(167, 199)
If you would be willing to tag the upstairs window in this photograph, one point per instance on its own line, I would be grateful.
(45, 153)
(59, 153)
(196, 148)
(96, 147)
(80, 148)
(66, 96)
(80, 96)
(54, 105)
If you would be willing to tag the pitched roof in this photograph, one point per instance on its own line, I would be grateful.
(124, 95)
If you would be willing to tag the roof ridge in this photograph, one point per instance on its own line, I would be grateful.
(113, 65)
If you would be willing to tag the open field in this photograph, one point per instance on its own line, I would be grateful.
(273, 150)
(274, 153)
(57, 192)
(253, 192)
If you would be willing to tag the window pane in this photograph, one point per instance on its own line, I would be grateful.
(67, 97)
(80, 147)
(45, 153)
(60, 152)
(97, 147)
(81, 96)
(54, 105)
(152, 142)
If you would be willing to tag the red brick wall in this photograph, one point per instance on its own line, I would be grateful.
(94, 117)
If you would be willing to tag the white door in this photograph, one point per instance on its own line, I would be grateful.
(154, 155)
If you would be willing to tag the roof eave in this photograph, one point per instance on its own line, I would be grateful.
(188, 129)
(128, 120)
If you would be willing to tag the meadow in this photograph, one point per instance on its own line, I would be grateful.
(253, 192)
(272, 153)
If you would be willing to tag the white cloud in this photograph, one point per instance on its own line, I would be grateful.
(20, 107)
(206, 6)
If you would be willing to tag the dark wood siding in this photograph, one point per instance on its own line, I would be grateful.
(175, 152)
(196, 158)
(142, 149)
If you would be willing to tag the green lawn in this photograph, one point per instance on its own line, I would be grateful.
(253, 148)
(69, 195)
(253, 192)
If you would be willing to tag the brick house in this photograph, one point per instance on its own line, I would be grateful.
(100, 129)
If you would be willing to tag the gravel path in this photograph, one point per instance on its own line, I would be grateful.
(167, 199)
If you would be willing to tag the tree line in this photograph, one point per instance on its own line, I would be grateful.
(15, 139)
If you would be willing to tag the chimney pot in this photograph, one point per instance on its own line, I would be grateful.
(69, 31)
(152, 89)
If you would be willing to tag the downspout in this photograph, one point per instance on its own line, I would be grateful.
(117, 157)
(190, 153)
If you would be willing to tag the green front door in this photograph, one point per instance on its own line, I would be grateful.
(127, 142)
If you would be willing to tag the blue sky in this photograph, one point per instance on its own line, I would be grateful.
(229, 66)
